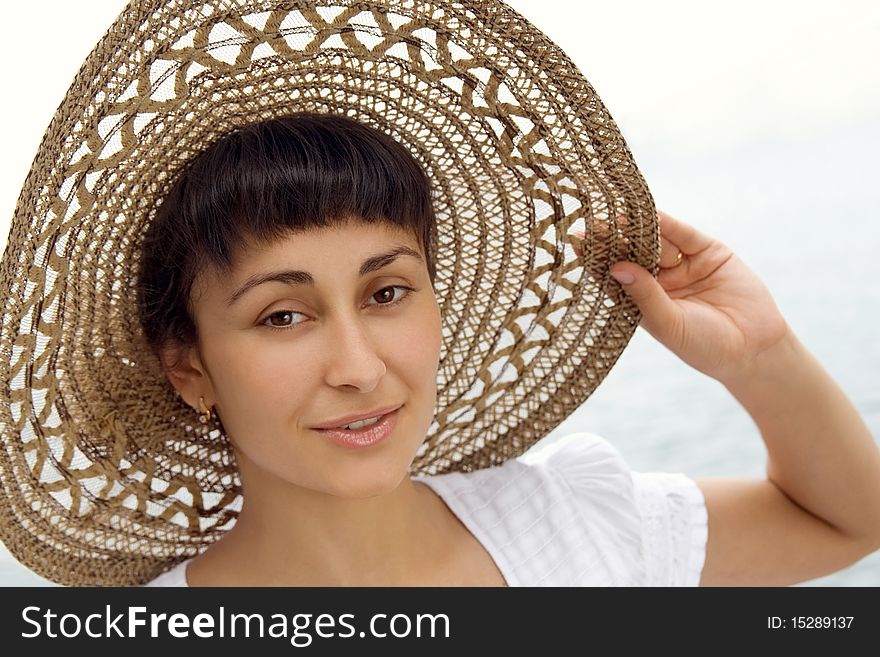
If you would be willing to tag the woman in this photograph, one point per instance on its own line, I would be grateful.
(293, 279)
(279, 355)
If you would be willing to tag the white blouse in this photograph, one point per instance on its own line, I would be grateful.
(574, 514)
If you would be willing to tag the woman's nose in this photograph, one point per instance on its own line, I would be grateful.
(352, 357)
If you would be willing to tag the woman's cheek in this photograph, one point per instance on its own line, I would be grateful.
(260, 386)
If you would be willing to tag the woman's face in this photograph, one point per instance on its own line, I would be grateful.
(279, 358)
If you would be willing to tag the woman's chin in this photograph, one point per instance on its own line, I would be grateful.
(363, 485)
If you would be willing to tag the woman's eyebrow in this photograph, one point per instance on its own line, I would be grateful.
(298, 277)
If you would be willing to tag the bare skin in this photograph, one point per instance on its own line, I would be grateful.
(315, 513)
(447, 554)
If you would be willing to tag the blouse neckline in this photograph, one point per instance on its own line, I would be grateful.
(438, 485)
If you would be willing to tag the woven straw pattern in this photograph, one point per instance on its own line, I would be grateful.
(108, 476)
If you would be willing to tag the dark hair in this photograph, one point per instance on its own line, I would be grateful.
(261, 182)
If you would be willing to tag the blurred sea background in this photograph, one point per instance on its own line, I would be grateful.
(758, 123)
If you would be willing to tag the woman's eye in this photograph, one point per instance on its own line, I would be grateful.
(281, 320)
(387, 294)
(283, 316)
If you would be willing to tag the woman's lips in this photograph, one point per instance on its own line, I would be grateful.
(365, 436)
(341, 422)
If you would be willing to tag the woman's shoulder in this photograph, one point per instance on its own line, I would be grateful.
(576, 509)
(560, 516)
(584, 465)
(667, 507)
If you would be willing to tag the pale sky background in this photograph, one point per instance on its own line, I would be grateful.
(755, 121)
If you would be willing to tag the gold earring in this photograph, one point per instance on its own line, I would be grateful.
(205, 411)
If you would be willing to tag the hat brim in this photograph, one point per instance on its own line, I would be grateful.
(104, 478)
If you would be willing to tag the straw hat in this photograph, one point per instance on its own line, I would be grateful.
(107, 478)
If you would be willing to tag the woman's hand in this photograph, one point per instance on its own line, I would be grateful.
(709, 309)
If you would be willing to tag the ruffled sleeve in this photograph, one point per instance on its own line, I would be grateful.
(651, 526)
(601, 494)
(674, 527)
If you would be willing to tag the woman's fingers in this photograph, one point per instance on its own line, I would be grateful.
(668, 253)
(681, 235)
(601, 231)
(676, 237)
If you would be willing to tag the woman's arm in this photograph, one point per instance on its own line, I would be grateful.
(819, 509)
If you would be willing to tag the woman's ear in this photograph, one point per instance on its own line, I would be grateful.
(184, 369)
